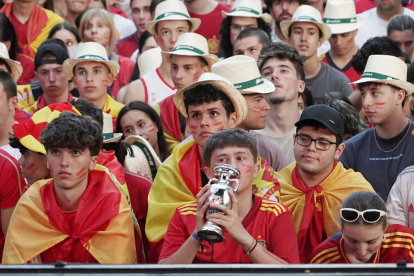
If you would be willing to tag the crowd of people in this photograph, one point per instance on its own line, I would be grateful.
(114, 116)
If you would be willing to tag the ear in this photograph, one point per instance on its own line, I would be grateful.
(13, 103)
(93, 163)
(256, 169)
(157, 39)
(301, 86)
(402, 58)
(209, 172)
(111, 79)
(339, 150)
(47, 165)
(320, 41)
(400, 96)
(206, 69)
(74, 82)
(232, 120)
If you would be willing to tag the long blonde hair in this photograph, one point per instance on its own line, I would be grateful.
(107, 19)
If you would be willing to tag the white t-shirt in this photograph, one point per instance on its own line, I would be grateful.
(285, 142)
(12, 151)
(124, 26)
(374, 26)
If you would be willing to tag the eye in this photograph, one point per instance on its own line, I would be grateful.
(97, 71)
(141, 125)
(213, 113)
(252, 50)
(76, 152)
(323, 143)
(181, 31)
(54, 151)
(196, 116)
(284, 71)
(82, 73)
(267, 73)
(69, 43)
(127, 130)
(240, 158)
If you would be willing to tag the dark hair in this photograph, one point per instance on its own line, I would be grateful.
(49, 5)
(136, 105)
(259, 33)
(142, 39)
(353, 123)
(282, 51)
(8, 33)
(15, 143)
(334, 96)
(400, 22)
(9, 84)
(235, 137)
(207, 93)
(270, 2)
(226, 45)
(307, 97)
(65, 26)
(410, 73)
(3, 62)
(317, 125)
(79, 18)
(393, 88)
(121, 149)
(72, 131)
(154, 4)
(380, 45)
(86, 108)
(57, 41)
(364, 200)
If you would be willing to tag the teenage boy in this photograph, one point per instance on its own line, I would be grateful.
(341, 17)
(381, 153)
(262, 228)
(189, 59)
(281, 64)
(92, 73)
(210, 104)
(306, 32)
(314, 186)
(242, 71)
(53, 220)
(171, 20)
(52, 79)
(250, 42)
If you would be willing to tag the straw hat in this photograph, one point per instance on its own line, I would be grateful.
(341, 16)
(248, 8)
(145, 160)
(149, 60)
(386, 69)
(90, 51)
(108, 130)
(306, 13)
(243, 72)
(222, 84)
(15, 66)
(171, 10)
(191, 44)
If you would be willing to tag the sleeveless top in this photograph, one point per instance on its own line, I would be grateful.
(156, 88)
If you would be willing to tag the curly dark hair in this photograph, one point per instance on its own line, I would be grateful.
(226, 45)
(72, 131)
(281, 50)
(379, 45)
(86, 108)
(207, 93)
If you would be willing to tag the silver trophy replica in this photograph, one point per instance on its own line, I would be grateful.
(224, 175)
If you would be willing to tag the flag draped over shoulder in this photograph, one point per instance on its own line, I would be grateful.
(170, 121)
(178, 181)
(103, 223)
(315, 209)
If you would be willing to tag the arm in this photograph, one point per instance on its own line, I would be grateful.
(135, 92)
(5, 218)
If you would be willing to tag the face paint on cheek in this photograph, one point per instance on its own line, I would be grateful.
(195, 77)
(151, 128)
(247, 168)
(218, 126)
(193, 129)
(105, 82)
(380, 105)
(256, 109)
(32, 168)
(80, 174)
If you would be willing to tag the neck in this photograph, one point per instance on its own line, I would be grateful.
(69, 200)
(342, 60)
(71, 17)
(280, 35)
(99, 103)
(23, 10)
(165, 72)
(200, 156)
(6, 128)
(201, 6)
(312, 66)
(392, 127)
(311, 180)
(63, 97)
(387, 16)
(282, 118)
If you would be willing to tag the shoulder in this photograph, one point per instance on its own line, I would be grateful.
(7, 160)
(124, 61)
(273, 207)
(359, 138)
(335, 73)
(327, 251)
(126, 39)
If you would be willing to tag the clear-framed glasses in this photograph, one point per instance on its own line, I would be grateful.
(321, 144)
(369, 216)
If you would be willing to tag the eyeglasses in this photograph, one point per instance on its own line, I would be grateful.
(369, 216)
(239, 28)
(305, 140)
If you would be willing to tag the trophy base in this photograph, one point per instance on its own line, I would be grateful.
(211, 233)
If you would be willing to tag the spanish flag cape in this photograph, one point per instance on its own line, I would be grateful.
(113, 108)
(25, 97)
(177, 183)
(315, 209)
(103, 223)
(40, 23)
(170, 121)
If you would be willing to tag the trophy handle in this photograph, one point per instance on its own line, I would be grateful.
(211, 180)
(237, 184)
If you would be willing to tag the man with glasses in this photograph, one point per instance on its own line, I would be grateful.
(314, 187)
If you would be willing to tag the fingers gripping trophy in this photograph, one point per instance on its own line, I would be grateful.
(224, 176)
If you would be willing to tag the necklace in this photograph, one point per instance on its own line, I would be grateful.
(375, 137)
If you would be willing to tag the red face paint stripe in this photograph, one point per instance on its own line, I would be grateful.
(31, 166)
(193, 129)
(256, 109)
(81, 171)
(380, 104)
(218, 125)
(82, 175)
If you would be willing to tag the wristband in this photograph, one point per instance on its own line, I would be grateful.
(248, 252)
(195, 236)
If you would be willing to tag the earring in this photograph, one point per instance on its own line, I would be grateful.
(384, 238)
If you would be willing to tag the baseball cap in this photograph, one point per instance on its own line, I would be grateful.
(60, 53)
(325, 115)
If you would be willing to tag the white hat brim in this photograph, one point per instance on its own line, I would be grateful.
(136, 138)
(264, 16)
(16, 68)
(210, 58)
(266, 87)
(195, 23)
(406, 86)
(325, 29)
(70, 63)
(347, 27)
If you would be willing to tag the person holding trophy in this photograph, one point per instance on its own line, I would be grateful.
(255, 229)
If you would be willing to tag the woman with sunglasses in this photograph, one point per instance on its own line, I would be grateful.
(366, 236)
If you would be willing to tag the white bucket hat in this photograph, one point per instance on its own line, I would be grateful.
(386, 69)
(171, 10)
(222, 84)
(248, 8)
(191, 44)
(15, 66)
(108, 130)
(341, 16)
(149, 60)
(243, 72)
(90, 51)
(306, 13)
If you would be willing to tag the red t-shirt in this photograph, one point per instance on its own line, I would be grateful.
(120, 12)
(128, 45)
(78, 254)
(210, 26)
(11, 184)
(269, 222)
(28, 69)
(20, 116)
(398, 245)
(123, 78)
(21, 29)
(348, 70)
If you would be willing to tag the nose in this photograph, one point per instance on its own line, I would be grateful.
(204, 121)
(179, 74)
(174, 37)
(64, 161)
(367, 100)
(20, 162)
(285, 5)
(266, 106)
(361, 249)
(94, 29)
(51, 76)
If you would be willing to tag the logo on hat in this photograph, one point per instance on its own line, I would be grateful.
(332, 121)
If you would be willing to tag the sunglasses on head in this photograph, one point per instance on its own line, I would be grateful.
(369, 216)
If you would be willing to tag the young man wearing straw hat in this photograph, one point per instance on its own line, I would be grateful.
(210, 104)
(242, 71)
(306, 32)
(382, 152)
(189, 59)
(171, 20)
(341, 17)
(92, 73)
